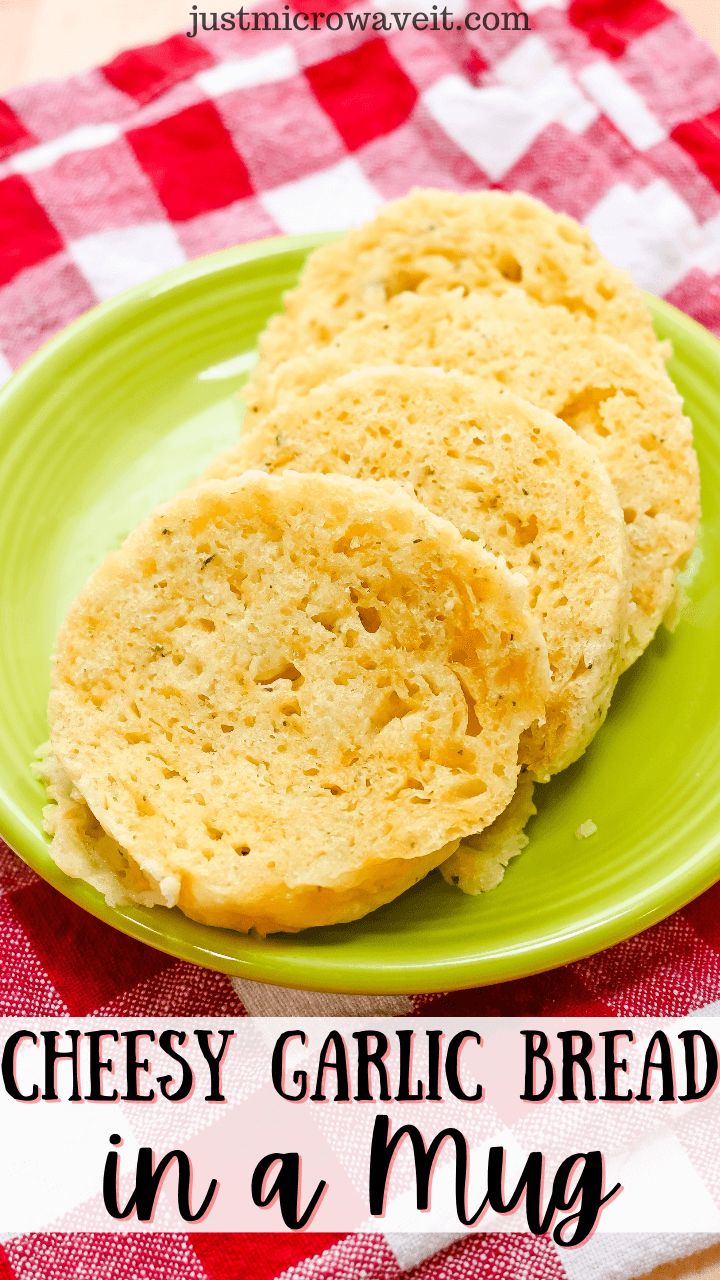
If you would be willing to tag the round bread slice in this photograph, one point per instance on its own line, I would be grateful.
(629, 411)
(433, 241)
(507, 474)
(286, 698)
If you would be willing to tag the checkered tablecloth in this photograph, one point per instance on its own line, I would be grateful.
(609, 109)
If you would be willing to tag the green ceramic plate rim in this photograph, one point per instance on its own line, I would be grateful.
(647, 907)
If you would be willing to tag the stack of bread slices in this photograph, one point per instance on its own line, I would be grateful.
(463, 494)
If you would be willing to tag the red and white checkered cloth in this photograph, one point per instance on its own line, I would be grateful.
(609, 109)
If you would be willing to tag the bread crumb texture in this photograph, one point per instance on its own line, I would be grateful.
(586, 829)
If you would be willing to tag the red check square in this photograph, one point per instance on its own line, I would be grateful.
(27, 235)
(87, 962)
(26, 988)
(365, 92)
(191, 162)
(612, 27)
(235, 1257)
(144, 73)
(704, 916)
(13, 133)
(6, 1270)
(701, 139)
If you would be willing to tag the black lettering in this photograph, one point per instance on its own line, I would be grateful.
(536, 1052)
(529, 1184)
(383, 1149)
(53, 1058)
(664, 1066)
(98, 1066)
(576, 1057)
(214, 1061)
(336, 1063)
(515, 22)
(277, 1068)
(613, 1065)
(690, 1040)
(185, 1086)
(435, 1039)
(406, 1041)
(135, 1066)
(285, 1188)
(9, 1054)
(367, 1058)
(148, 1181)
(264, 21)
(588, 1191)
(452, 1066)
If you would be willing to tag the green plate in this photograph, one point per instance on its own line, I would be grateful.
(122, 409)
